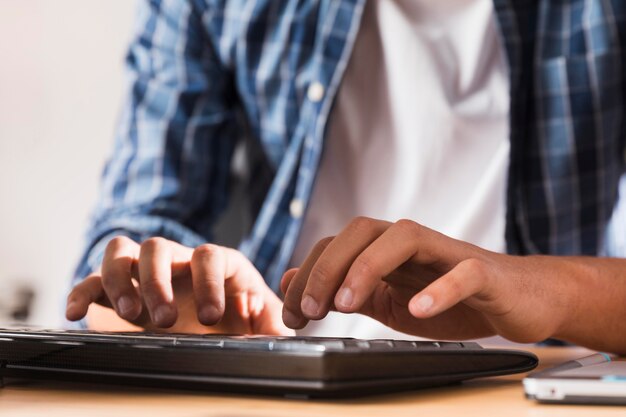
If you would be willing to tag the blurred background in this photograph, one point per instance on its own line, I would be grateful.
(61, 68)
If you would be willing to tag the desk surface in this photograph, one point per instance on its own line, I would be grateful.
(484, 397)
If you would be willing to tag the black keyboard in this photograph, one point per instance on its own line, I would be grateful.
(260, 364)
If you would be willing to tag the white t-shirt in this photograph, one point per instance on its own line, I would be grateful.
(419, 130)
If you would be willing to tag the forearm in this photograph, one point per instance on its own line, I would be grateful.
(594, 297)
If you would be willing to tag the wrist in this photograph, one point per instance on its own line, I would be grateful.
(590, 299)
(578, 280)
(549, 293)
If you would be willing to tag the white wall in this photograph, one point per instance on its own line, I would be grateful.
(61, 65)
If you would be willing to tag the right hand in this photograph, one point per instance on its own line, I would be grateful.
(162, 284)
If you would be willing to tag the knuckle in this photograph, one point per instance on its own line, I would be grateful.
(481, 272)
(152, 243)
(361, 223)
(475, 267)
(409, 226)
(323, 243)
(321, 274)
(118, 242)
(364, 266)
(206, 252)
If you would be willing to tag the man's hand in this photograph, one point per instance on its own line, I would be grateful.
(161, 284)
(418, 281)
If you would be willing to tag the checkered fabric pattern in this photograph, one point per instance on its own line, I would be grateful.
(205, 73)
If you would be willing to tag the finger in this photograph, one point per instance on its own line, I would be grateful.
(155, 279)
(265, 314)
(403, 241)
(117, 267)
(292, 315)
(248, 279)
(208, 270)
(249, 295)
(83, 295)
(286, 279)
(329, 271)
(236, 318)
(468, 278)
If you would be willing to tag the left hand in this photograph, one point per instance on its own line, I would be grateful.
(421, 282)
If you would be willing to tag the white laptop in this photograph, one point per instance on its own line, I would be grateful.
(595, 379)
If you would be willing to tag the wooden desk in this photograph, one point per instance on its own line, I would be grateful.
(502, 396)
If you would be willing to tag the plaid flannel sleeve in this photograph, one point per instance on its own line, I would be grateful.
(168, 173)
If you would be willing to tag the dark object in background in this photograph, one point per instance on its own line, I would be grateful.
(16, 304)
(24, 297)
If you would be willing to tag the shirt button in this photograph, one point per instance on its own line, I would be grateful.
(296, 208)
(315, 92)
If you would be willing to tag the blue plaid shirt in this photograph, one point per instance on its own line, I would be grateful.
(205, 73)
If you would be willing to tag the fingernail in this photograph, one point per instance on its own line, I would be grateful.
(162, 314)
(290, 319)
(345, 298)
(425, 302)
(309, 306)
(209, 314)
(125, 305)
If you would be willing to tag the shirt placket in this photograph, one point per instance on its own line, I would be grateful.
(332, 52)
